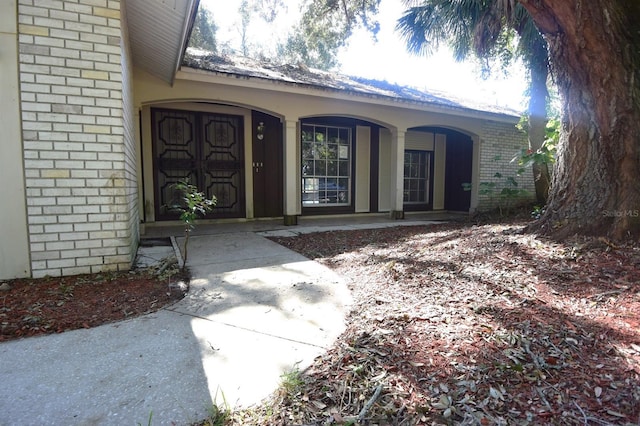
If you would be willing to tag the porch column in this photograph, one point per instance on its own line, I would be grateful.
(291, 173)
(397, 174)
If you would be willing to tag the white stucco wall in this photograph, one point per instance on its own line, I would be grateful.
(79, 165)
(293, 103)
(14, 249)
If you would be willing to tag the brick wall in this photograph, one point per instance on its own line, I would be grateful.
(77, 146)
(506, 141)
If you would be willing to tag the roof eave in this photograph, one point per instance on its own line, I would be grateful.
(233, 78)
(186, 35)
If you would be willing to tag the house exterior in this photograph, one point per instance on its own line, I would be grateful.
(102, 112)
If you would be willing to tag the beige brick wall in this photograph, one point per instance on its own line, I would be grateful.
(78, 148)
(506, 141)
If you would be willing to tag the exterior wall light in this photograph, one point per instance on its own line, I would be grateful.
(260, 131)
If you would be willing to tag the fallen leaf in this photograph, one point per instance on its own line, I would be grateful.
(319, 404)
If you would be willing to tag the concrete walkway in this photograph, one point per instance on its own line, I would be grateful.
(254, 311)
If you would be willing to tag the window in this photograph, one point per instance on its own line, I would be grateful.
(416, 176)
(326, 166)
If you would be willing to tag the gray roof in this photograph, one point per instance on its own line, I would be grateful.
(300, 75)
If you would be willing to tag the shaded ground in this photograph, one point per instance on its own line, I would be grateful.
(31, 307)
(451, 324)
(462, 324)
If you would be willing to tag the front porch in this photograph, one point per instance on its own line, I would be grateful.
(306, 224)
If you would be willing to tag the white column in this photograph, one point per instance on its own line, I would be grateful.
(292, 184)
(363, 168)
(397, 174)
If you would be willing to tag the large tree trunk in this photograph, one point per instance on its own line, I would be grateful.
(539, 93)
(593, 47)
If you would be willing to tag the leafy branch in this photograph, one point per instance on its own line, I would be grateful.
(191, 204)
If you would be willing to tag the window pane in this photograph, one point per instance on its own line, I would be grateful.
(307, 133)
(333, 135)
(332, 168)
(416, 172)
(343, 168)
(326, 162)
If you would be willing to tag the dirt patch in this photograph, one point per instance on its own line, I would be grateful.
(32, 307)
(469, 324)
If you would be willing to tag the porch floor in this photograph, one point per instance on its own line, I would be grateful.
(306, 224)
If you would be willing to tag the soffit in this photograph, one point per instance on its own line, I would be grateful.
(158, 31)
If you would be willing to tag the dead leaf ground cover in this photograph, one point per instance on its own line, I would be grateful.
(472, 324)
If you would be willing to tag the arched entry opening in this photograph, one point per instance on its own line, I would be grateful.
(234, 153)
(438, 162)
(339, 165)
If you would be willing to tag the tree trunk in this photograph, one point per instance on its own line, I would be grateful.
(593, 47)
(539, 73)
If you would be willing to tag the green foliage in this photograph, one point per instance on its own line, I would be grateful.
(298, 50)
(547, 153)
(203, 34)
(537, 212)
(326, 26)
(491, 31)
(503, 189)
(291, 381)
(191, 205)
(219, 414)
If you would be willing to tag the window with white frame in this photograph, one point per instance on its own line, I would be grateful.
(416, 176)
(326, 165)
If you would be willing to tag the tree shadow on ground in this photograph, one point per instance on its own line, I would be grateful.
(481, 325)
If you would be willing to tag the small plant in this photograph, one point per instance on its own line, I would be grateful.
(149, 420)
(219, 414)
(192, 204)
(504, 189)
(537, 212)
(547, 152)
(292, 381)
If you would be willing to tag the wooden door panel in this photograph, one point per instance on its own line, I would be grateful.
(267, 166)
(223, 163)
(206, 149)
(175, 155)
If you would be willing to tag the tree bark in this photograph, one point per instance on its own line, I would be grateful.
(593, 48)
(539, 93)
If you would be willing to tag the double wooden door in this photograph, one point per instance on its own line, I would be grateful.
(204, 148)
